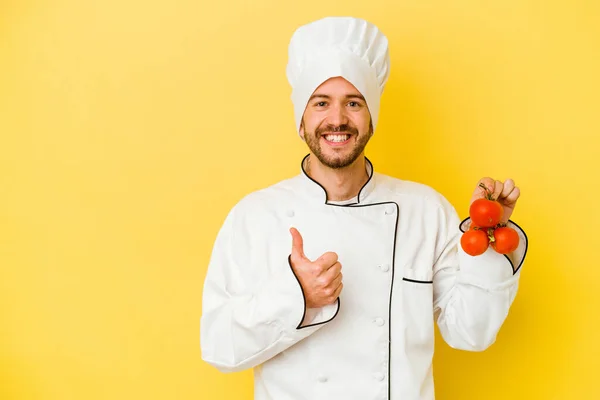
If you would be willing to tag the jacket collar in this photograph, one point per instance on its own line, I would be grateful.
(316, 191)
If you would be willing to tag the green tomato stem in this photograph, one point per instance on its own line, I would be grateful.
(490, 233)
(488, 193)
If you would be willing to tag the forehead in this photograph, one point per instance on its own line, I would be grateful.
(336, 86)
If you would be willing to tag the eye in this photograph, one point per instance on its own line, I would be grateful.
(321, 104)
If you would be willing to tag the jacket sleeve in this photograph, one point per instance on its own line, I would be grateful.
(472, 294)
(251, 310)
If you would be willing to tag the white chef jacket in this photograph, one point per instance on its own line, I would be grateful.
(403, 268)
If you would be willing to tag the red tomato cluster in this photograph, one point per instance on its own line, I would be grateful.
(486, 229)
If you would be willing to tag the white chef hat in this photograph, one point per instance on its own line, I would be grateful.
(338, 46)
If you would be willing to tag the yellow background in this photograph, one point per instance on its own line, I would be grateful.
(129, 128)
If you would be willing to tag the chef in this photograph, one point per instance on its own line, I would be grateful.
(328, 284)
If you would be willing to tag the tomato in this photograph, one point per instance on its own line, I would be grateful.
(506, 240)
(474, 242)
(486, 213)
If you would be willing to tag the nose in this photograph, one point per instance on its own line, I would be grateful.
(337, 116)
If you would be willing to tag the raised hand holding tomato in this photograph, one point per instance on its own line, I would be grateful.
(492, 204)
(505, 193)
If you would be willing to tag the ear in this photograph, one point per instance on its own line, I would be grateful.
(301, 130)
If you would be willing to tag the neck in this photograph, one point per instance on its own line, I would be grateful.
(342, 183)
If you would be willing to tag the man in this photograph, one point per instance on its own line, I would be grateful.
(327, 284)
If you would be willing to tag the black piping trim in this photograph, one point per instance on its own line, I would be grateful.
(390, 307)
(325, 191)
(304, 302)
(393, 259)
(415, 281)
(509, 260)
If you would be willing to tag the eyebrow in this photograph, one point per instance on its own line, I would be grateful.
(348, 96)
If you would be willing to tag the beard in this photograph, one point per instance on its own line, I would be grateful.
(339, 159)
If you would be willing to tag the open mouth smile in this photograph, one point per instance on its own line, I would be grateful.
(337, 139)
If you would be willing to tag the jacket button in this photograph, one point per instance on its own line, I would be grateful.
(385, 267)
(322, 378)
(290, 213)
(389, 210)
(379, 321)
(379, 376)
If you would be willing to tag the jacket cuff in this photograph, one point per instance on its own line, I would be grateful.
(318, 316)
(287, 295)
(491, 269)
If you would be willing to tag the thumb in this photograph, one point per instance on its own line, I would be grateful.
(297, 245)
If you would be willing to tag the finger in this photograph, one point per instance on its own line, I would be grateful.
(327, 260)
(498, 186)
(513, 196)
(336, 282)
(488, 182)
(297, 244)
(337, 292)
(333, 271)
(509, 185)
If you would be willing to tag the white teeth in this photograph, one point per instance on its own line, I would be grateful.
(336, 138)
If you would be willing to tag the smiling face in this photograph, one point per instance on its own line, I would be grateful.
(336, 124)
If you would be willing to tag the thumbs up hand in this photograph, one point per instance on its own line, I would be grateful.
(321, 280)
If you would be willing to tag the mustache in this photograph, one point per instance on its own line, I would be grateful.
(333, 129)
